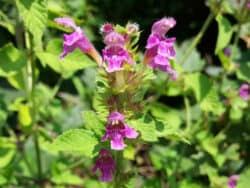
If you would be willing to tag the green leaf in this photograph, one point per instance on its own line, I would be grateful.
(129, 153)
(17, 80)
(244, 180)
(67, 177)
(7, 151)
(243, 73)
(225, 33)
(205, 93)
(5, 22)
(3, 180)
(24, 115)
(77, 141)
(146, 127)
(166, 114)
(34, 15)
(73, 62)
(11, 60)
(92, 122)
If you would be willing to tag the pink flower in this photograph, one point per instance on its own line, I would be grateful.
(160, 49)
(106, 164)
(114, 54)
(117, 130)
(231, 182)
(114, 38)
(244, 91)
(162, 26)
(77, 39)
(248, 4)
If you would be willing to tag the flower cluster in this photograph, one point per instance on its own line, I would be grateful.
(160, 49)
(118, 61)
(244, 91)
(115, 54)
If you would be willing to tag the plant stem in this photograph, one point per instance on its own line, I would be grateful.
(31, 79)
(119, 167)
(188, 114)
(198, 37)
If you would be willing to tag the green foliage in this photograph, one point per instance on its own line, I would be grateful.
(92, 122)
(244, 179)
(205, 93)
(7, 151)
(66, 67)
(77, 141)
(243, 73)
(193, 132)
(34, 15)
(225, 33)
(12, 60)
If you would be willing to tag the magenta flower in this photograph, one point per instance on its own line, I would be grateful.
(106, 165)
(114, 38)
(117, 130)
(244, 91)
(162, 26)
(114, 54)
(77, 39)
(231, 182)
(160, 49)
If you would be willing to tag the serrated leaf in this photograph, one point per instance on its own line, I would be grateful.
(73, 62)
(77, 141)
(146, 127)
(11, 60)
(168, 115)
(92, 122)
(34, 15)
(225, 33)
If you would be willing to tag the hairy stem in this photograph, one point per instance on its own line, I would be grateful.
(31, 79)
(119, 167)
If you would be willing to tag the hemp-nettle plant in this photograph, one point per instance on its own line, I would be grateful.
(125, 75)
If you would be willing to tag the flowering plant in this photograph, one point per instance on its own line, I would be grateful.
(146, 104)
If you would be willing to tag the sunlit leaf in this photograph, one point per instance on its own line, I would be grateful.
(77, 141)
(225, 33)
